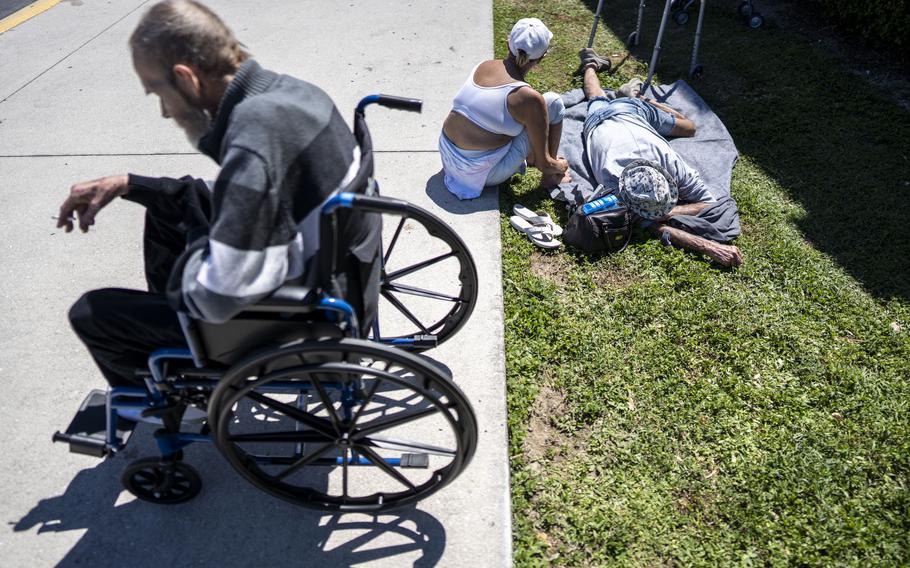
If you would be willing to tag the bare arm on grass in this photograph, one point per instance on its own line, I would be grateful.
(727, 255)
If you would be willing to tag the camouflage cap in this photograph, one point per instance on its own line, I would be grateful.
(647, 189)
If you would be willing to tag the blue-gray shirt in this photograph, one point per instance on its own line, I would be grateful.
(622, 130)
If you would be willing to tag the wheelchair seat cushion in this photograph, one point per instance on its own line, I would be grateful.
(227, 342)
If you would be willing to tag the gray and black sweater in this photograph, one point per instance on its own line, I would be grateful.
(283, 149)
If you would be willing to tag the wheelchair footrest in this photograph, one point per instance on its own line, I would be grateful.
(413, 342)
(424, 341)
(87, 433)
(415, 460)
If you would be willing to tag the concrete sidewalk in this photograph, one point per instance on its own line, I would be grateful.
(71, 109)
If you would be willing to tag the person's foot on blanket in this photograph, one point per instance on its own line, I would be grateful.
(549, 181)
(590, 58)
(631, 89)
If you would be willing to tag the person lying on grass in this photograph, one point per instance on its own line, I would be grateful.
(626, 147)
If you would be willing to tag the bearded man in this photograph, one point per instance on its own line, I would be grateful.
(283, 149)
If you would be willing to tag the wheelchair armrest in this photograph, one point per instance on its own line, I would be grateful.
(291, 298)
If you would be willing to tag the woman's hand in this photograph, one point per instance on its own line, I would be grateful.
(558, 165)
(556, 174)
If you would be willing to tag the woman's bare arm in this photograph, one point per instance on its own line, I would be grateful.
(529, 109)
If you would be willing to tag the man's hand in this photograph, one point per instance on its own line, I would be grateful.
(727, 255)
(684, 127)
(89, 197)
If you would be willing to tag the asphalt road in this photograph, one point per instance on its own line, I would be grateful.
(8, 7)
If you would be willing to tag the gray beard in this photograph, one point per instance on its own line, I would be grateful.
(195, 125)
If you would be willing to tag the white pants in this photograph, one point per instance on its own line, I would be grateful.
(467, 172)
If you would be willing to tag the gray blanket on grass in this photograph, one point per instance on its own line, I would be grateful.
(711, 152)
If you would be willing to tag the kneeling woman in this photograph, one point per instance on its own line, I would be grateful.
(498, 121)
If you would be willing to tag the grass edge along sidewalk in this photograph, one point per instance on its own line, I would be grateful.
(664, 411)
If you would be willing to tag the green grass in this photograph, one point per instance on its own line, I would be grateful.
(664, 411)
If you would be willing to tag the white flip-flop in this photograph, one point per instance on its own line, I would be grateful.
(537, 219)
(541, 236)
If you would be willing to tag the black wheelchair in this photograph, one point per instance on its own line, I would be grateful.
(293, 396)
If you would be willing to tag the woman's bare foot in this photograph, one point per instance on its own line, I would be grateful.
(552, 180)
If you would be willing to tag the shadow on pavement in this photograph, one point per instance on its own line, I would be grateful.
(222, 527)
(436, 190)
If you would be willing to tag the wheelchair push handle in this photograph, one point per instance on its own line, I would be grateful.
(401, 103)
(368, 203)
(390, 101)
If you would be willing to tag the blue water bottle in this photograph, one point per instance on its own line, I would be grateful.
(600, 204)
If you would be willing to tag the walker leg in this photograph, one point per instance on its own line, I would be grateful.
(655, 55)
(600, 4)
(635, 36)
(695, 70)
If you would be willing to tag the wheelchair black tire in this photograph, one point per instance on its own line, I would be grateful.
(325, 363)
(164, 483)
(464, 301)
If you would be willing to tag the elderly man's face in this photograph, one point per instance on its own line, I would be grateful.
(175, 102)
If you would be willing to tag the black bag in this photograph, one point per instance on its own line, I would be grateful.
(604, 231)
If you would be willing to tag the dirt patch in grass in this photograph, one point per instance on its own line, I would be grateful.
(545, 442)
(695, 502)
(555, 268)
(542, 434)
(550, 267)
(615, 278)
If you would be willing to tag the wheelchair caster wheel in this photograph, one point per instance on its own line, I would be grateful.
(164, 483)
(755, 21)
(681, 18)
(745, 9)
(697, 72)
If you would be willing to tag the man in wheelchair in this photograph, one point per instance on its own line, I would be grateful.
(283, 149)
(259, 290)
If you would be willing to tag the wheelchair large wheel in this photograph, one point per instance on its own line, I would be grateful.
(343, 425)
(429, 280)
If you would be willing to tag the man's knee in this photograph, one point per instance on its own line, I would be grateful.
(84, 314)
(81, 312)
(556, 109)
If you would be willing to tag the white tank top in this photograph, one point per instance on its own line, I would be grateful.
(488, 107)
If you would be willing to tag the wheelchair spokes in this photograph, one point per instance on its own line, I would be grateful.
(429, 281)
(386, 428)
(320, 421)
(167, 483)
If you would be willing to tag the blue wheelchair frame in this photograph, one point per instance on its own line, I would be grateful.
(153, 395)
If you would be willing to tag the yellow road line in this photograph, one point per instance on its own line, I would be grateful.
(26, 13)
